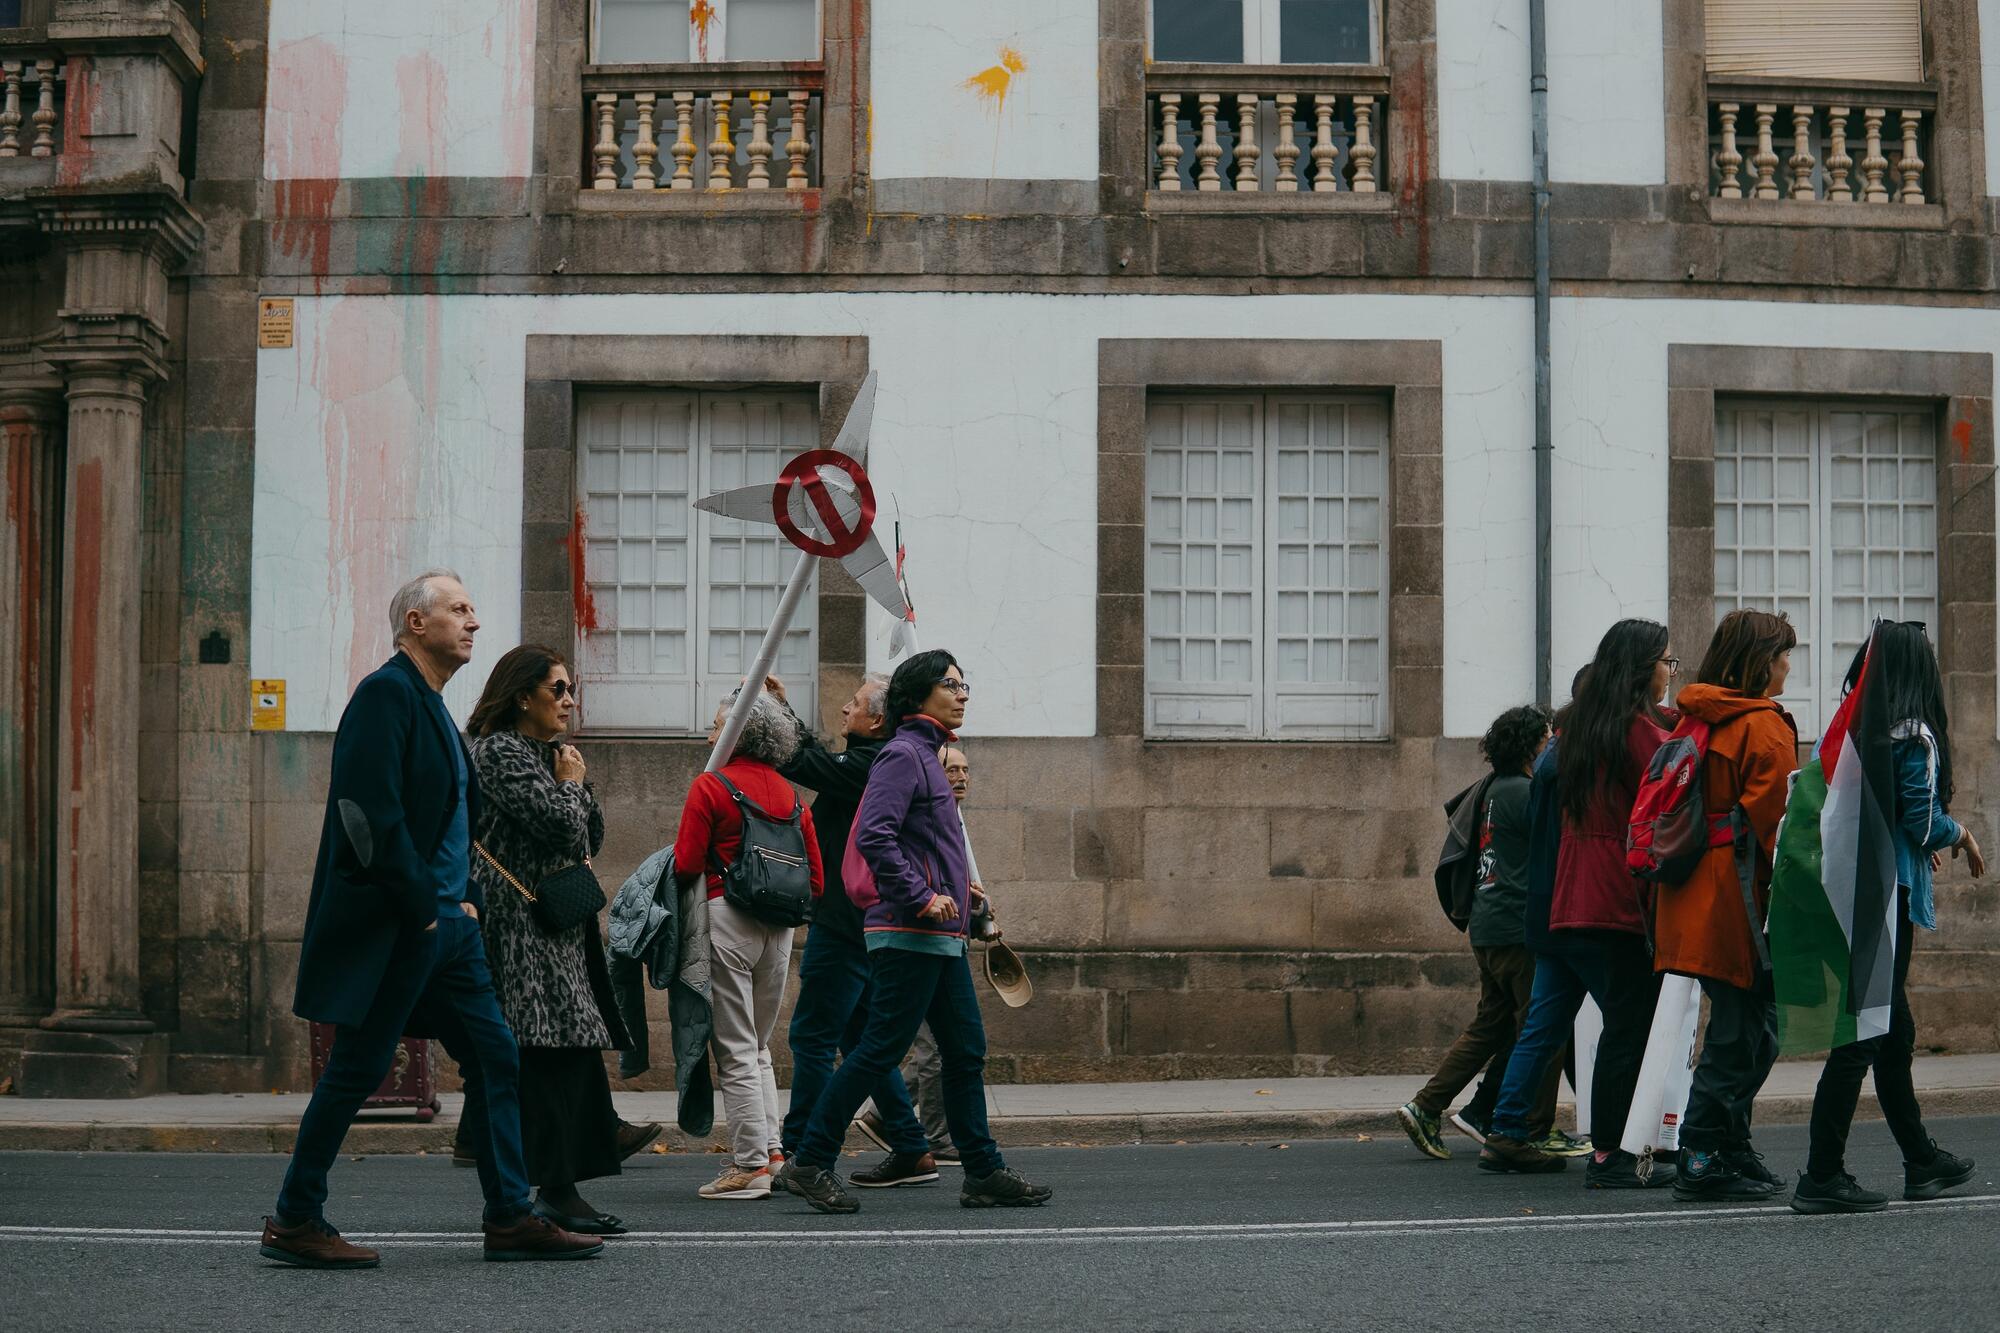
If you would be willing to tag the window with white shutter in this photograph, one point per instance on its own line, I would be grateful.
(1827, 512)
(1835, 40)
(680, 598)
(1265, 592)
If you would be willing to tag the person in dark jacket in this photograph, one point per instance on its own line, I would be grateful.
(1923, 830)
(540, 817)
(915, 908)
(832, 1007)
(1495, 930)
(392, 943)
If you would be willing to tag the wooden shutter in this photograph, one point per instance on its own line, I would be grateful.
(1816, 39)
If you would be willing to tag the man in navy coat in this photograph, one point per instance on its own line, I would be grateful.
(392, 943)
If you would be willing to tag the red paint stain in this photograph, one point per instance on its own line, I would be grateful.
(86, 539)
(82, 90)
(581, 600)
(25, 520)
(518, 81)
(1961, 435)
(1411, 147)
(306, 107)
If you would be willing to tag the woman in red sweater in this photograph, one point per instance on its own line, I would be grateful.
(1613, 727)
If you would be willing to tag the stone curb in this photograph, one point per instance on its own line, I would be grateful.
(378, 1137)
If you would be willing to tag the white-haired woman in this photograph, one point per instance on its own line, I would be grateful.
(748, 956)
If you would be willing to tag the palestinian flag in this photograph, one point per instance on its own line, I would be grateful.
(1833, 890)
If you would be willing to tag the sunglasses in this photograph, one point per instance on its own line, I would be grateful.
(559, 688)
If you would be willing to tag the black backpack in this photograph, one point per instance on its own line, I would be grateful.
(771, 878)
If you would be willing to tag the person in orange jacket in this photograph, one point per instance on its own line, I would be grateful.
(1705, 927)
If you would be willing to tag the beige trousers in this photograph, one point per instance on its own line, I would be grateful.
(745, 985)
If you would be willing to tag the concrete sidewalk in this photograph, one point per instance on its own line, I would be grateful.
(1082, 1114)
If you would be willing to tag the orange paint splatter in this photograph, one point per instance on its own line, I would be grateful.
(701, 14)
(995, 81)
(1961, 435)
(82, 90)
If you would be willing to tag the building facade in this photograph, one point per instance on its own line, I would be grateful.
(1204, 332)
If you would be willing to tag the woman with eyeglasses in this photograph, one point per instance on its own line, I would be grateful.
(538, 817)
(1612, 727)
(1919, 741)
(1711, 925)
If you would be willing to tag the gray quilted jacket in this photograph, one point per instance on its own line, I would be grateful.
(661, 936)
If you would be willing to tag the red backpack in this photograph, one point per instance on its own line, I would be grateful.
(1671, 828)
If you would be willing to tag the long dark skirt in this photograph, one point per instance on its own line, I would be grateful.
(569, 1131)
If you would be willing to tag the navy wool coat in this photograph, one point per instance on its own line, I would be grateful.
(388, 806)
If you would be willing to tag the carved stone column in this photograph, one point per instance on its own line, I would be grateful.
(118, 247)
(30, 564)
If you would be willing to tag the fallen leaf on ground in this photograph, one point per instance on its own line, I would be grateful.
(1263, 1092)
(659, 1147)
(6, 1087)
(1281, 1146)
(1364, 1138)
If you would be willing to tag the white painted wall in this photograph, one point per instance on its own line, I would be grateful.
(389, 438)
(409, 88)
(936, 66)
(1607, 113)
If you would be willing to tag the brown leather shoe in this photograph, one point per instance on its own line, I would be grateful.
(530, 1237)
(631, 1138)
(313, 1244)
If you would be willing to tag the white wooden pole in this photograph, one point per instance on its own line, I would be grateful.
(767, 657)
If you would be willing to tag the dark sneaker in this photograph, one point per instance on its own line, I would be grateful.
(530, 1237)
(872, 1129)
(818, 1187)
(1943, 1172)
(1474, 1127)
(898, 1168)
(1560, 1143)
(1619, 1170)
(1842, 1194)
(1422, 1127)
(947, 1156)
(1747, 1162)
(313, 1244)
(1501, 1153)
(1706, 1177)
(1002, 1189)
(631, 1138)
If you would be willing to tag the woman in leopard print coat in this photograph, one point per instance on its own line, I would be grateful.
(539, 816)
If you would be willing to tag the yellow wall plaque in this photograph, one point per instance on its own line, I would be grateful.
(267, 705)
(274, 322)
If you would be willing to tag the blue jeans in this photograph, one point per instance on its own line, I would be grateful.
(1552, 1004)
(831, 1012)
(906, 989)
(440, 977)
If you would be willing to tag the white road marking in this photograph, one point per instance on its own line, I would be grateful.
(1030, 1235)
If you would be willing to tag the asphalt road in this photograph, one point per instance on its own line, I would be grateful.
(1340, 1234)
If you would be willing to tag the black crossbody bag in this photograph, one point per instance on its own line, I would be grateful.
(566, 899)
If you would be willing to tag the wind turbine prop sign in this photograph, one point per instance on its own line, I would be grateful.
(822, 501)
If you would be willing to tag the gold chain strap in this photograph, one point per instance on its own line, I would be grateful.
(518, 886)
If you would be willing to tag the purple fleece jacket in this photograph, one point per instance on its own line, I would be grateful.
(909, 832)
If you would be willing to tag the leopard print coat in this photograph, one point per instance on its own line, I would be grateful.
(534, 826)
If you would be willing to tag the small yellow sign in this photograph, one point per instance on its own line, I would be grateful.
(274, 323)
(267, 705)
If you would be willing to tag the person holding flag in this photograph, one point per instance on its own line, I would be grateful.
(1711, 925)
(1864, 830)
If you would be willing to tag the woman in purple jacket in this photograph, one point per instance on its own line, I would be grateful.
(907, 830)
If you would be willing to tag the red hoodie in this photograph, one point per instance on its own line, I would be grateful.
(1593, 889)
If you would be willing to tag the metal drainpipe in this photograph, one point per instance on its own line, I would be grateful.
(1538, 64)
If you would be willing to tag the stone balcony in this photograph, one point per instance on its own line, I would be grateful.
(1851, 153)
(703, 130)
(31, 102)
(1232, 136)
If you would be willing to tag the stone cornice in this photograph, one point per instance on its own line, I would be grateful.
(149, 216)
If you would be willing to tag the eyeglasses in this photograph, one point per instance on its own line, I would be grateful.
(561, 687)
(1673, 664)
(958, 687)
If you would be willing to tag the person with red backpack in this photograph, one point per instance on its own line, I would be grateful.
(1710, 924)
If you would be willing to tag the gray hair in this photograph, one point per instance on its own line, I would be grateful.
(419, 594)
(769, 734)
(875, 693)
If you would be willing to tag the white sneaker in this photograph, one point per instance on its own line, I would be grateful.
(1464, 1125)
(736, 1183)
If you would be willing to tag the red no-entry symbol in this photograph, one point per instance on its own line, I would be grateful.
(803, 472)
